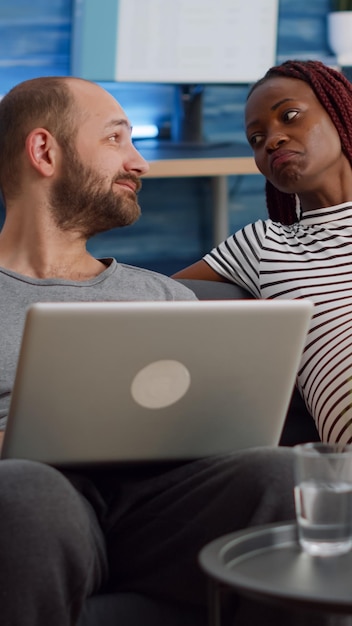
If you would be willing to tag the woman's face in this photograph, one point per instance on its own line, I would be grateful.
(295, 143)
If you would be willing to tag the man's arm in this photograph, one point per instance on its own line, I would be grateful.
(200, 271)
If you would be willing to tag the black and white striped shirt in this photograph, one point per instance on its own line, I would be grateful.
(310, 259)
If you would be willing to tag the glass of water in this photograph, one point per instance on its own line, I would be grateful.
(323, 497)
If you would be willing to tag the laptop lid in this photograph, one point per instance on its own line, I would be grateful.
(137, 381)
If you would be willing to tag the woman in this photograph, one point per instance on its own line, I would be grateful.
(299, 123)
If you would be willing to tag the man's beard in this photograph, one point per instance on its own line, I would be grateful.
(78, 200)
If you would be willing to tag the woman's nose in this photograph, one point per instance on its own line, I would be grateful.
(275, 141)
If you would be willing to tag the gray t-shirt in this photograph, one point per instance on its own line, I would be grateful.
(119, 282)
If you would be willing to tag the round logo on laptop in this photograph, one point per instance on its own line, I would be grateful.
(160, 384)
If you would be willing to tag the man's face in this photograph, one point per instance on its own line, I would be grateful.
(84, 201)
(295, 143)
(96, 188)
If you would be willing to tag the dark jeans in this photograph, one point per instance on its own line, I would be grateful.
(66, 535)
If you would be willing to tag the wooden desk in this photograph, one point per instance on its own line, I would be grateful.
(217, 162)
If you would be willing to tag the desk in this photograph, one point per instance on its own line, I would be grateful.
(267, 563)
(217, 162)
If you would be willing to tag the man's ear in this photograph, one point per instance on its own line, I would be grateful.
(41, 150)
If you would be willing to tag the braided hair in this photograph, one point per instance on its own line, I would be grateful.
(334, 92)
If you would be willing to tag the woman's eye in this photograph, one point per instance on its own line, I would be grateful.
(289, 115)
(254, 139)
(113, 138)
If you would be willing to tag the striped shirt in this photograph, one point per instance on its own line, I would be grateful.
(310, 259)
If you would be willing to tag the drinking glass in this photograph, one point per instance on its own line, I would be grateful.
(323, 497)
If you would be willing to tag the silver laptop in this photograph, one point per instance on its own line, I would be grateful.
(106, 382)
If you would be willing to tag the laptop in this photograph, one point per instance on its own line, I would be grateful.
(153, 381)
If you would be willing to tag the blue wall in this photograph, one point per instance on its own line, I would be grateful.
(175, 229)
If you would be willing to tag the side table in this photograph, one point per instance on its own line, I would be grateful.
(267, 563)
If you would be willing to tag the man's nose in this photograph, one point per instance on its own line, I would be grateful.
(136, 162)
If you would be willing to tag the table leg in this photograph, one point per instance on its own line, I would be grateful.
(220, 209)
(214, 603)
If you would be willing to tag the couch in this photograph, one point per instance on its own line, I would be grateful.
(131, 609)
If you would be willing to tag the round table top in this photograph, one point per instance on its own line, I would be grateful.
(267, 562)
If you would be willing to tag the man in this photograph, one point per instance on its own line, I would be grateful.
(68, 170)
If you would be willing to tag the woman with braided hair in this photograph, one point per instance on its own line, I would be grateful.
(299, 123)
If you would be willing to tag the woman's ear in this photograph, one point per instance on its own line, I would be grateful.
(41, 151)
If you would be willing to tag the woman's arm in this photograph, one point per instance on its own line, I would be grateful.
(201, 271)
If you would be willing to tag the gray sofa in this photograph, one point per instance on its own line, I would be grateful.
(131, 609)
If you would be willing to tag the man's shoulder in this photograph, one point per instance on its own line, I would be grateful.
(154, 284)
